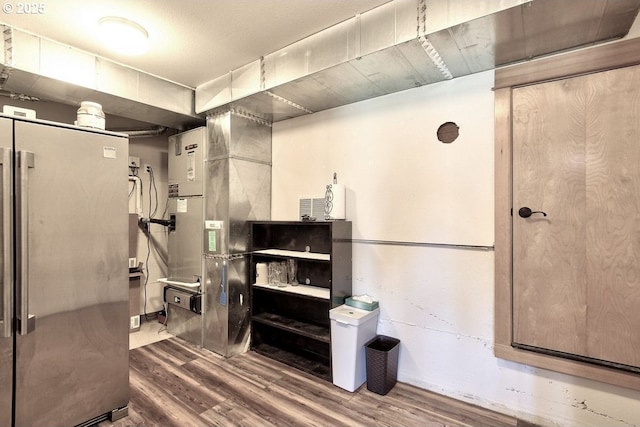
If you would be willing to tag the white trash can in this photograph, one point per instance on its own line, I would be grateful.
(351, 329)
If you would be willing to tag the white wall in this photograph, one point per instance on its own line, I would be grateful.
(405, 186)
(152, 252)
(386, 151)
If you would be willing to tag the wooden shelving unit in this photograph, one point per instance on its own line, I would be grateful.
(291, 323)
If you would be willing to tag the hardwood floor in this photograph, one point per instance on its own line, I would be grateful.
(176, 384)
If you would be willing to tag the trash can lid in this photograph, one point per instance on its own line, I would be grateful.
(351, 315)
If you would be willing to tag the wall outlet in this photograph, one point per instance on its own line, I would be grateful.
(134, 162)
(134, 322)
(147, 168)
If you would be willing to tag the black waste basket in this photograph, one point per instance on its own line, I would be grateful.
(382, 363)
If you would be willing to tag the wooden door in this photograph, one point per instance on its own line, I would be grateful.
(576, 271)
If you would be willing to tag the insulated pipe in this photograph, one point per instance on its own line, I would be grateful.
(145, 132)
(141, 133)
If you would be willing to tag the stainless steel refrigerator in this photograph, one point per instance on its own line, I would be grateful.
(64, 300)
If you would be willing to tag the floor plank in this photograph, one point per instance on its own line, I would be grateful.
(176, 384)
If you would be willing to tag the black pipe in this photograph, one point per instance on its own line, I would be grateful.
(170, 223)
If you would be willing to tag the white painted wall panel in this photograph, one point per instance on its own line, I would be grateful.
(445, 290)
(402, 183)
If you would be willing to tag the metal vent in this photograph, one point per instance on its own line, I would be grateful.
(312, 207)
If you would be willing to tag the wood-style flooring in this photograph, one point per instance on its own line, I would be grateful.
(173, 383)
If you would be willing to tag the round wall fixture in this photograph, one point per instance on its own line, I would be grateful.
(448, 132)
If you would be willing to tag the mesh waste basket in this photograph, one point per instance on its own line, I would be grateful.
(382, 363)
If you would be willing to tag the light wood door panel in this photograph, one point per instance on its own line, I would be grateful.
(613, 212)
(576, 272)
(549, 252)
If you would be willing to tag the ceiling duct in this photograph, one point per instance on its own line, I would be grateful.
(409, 43)
(143, 133)
(40, 68)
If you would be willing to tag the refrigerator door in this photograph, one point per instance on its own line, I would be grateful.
(185, 242)
(6, 273)
(72, 275)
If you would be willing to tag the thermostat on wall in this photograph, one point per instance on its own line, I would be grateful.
(19, 112)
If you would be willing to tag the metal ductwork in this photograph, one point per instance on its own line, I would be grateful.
(35, 67)
(409, 43)
(144, 133)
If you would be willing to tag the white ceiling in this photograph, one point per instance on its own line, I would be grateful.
(192, 41)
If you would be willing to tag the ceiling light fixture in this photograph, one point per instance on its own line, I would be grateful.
(123, 35)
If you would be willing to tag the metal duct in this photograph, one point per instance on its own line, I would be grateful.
(38, 67)
(408, 43)
(141, 133)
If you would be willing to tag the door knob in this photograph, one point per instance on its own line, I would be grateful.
(525, 212)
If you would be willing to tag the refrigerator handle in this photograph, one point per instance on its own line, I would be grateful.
(7, 244)
(26, 322)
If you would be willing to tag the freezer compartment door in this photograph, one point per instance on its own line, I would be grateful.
(74, 365)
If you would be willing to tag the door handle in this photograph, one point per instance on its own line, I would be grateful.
(525, 212)
(26, 321)
(7, 244)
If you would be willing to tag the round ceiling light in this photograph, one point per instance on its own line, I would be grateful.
(123, 35)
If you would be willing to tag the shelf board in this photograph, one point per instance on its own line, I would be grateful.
(294, 254)
(302, 363)
(320, 333)
(310, 291)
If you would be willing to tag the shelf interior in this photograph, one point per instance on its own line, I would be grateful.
(310, 291)
(295, 254)
(316, 332)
